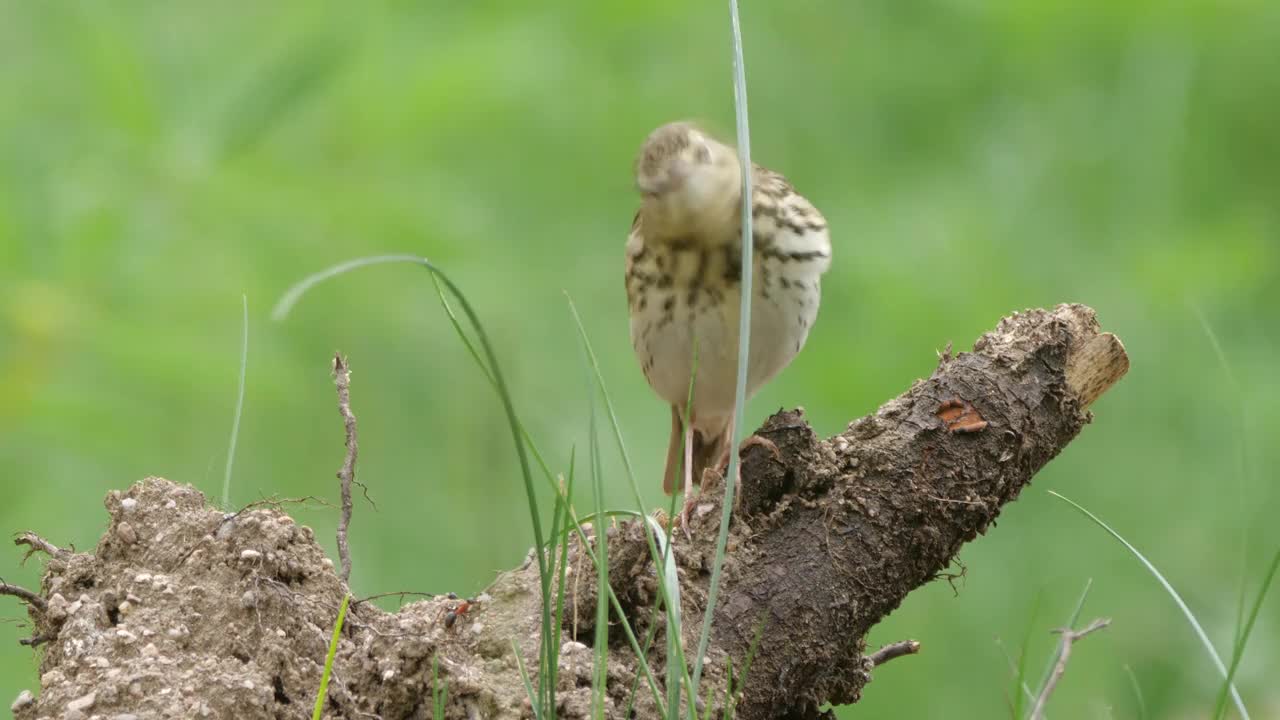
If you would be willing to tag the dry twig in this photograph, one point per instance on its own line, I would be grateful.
(893, 651)
(35, 544)
(1069, 636)
(23, 594)
(342, 380)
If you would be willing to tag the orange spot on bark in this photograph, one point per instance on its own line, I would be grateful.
(959, 416)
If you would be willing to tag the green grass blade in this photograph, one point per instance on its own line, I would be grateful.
(235, 421)
(457, 328)
(534, 700)
(626, 463)
(328, 660)
(740, 682)
(1238, 653)
(616, 605)
(1137, 693)
(1177, 599)
(744, 339)
(439, 690)
(675, 651)
(648, 644)
(1023, 651)
(600, 666)
(728, 693)
(286, 303)
(1241, 463)
(559, 516)
(608, 403)
(1013, 668)
(291, 297)
(1057, 652)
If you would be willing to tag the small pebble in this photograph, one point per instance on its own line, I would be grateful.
(24, 699)
(250, 554)
(83, 703)
(129, 504)
(126, 533)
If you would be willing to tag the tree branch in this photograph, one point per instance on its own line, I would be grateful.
(831, 536)
(892, 651)
(24, 595)
(1069, 636)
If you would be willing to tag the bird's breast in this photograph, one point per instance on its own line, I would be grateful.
(684, 302)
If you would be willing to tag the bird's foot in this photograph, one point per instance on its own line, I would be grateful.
(690, 501)
(763, 442)
(755, 440)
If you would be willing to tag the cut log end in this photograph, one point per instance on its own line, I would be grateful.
(1094, 365)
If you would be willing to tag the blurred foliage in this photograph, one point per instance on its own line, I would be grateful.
(973, 158)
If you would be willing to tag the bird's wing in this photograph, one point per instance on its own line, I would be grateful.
(637, 274)
(793, 228)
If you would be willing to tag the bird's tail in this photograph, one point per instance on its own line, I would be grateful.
(706, 452)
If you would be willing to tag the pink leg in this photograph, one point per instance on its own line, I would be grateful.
(688, 479)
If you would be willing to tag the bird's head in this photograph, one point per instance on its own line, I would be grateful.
(690, 182)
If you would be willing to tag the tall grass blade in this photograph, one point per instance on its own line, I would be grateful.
(439, 690)
(534, 700)
(1238, 653)
(559, 516)
(744, 339)
(1177, 599)
(1057, 652)
(658, 557)
(1137, 693)
(1241, 463)
(235, 421)
(1020, 675)
(285, 304)
(318, 710)
(600, 668)
(1013, 668)
(291, 297)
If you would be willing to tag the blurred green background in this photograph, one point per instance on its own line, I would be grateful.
(159, 160)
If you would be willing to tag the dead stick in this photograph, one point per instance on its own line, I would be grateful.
(893, 651)
(35, 543)
(22, 593)
(1069, 636)
(342, 380)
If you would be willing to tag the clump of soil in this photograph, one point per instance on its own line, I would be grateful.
(184, 611)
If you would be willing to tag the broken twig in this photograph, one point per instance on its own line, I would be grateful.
(342, 380)
(893, 651)
(1069, 636)
(23, 594)
(35, 544)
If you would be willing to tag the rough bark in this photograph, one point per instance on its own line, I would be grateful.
(182, 611)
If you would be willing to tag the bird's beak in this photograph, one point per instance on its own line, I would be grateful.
(654, 187)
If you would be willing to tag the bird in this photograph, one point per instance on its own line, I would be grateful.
(683, 283)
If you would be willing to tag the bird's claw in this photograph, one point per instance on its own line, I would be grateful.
(763, 442)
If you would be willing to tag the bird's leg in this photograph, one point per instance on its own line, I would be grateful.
(688, 480)
(723, 465)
